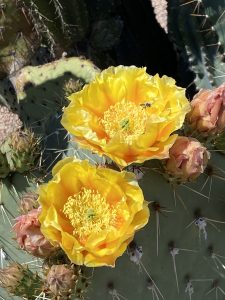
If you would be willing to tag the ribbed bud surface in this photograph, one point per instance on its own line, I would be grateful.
(9, 123)
(61, 280)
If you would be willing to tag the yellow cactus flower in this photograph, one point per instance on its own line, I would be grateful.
(92, 213)
(127, 115)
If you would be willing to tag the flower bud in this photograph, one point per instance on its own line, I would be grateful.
(11, 276)
(72, 86)
(28, 202)
(29, 236)
(21, 149)
(188, 159)
(61, 280)
(18, 280)
(208, 111)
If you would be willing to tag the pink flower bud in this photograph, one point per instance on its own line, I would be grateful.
(29, 236)
(208, 111)
(188, 159)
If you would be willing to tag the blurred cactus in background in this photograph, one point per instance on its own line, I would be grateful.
(197, 31)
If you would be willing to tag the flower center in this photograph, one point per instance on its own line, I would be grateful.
(125, 120)
(89, 212)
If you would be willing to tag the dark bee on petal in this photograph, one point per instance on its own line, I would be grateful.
(145, 105)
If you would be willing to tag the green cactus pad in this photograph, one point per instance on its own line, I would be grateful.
(32, 77)
(186, 226)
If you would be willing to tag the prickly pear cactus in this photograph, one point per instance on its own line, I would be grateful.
(180, 253)
(202, 45)
(18, 151)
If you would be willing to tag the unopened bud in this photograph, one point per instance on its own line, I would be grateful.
(29, 235)
(208, 111)
(11, 276)
(72, 86)
(21, 149)
(188, 159)
(61, 280)
(28, 202)
(18, 280)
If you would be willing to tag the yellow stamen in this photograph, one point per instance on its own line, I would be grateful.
(89, 212)
(126, 120)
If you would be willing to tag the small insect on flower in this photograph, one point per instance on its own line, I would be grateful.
(145, 105)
